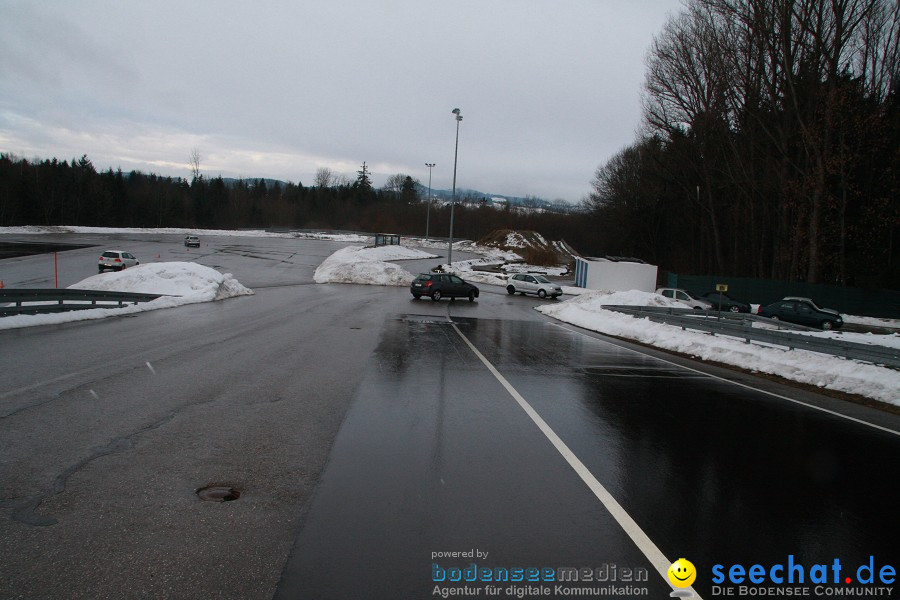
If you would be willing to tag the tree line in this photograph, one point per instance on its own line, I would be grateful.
(770, 147)
(54, 192)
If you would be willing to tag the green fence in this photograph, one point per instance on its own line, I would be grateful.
(848, 300)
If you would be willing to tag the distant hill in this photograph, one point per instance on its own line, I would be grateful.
(462, 194)
(231, 181)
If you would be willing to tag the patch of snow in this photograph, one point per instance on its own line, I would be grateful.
(258, 233)
(394, 252)
(514, 240)
(872, 321)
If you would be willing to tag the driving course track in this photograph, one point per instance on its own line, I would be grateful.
(365, 432)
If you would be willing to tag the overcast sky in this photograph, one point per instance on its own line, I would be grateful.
(549, 90)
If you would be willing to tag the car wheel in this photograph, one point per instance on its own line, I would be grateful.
(542, 294)
(436, 295)
(510, 290)
(735, 309)
(827, 325)
(697, 308)
(99, 269)
(472, 296)
(775, 318)
(417, 296)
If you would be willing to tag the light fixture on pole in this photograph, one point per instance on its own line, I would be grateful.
(428, 200)
(455, 111)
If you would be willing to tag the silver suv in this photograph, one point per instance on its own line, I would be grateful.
(192, 240)
(116, 260)
(526, 283)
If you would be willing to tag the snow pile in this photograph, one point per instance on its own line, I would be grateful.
(181, 282)
(558, 271)
(595, 300)
(489, 252)
(354, 264)
(820, 370)
(189, 281)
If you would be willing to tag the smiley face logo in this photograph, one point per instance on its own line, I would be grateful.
(682, 573)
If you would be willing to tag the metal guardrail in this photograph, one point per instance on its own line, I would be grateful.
(35, 301)
(740, 325)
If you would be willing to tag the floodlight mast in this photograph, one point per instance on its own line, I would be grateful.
(459, 118)
(428, 200)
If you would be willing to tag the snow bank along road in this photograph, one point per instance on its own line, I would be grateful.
(366, 433)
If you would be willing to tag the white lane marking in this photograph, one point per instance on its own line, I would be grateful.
(33, 386)
(644, 543)
(738, 383)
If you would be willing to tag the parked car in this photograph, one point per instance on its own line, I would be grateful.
(116, 260)
(803, 311)
(722, 301)
(685, 297)
(526, 283)
(192, 240)
(813, 303)
(442, 285)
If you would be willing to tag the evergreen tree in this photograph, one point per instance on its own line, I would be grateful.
(363, 182)
(409, 193)
(362, 188)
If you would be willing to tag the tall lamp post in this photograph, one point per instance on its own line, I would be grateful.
(455, 111)
(428, 200)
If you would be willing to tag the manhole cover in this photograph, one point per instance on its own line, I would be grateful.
(218, 493)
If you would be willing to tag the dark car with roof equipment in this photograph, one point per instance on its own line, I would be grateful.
(442, 285)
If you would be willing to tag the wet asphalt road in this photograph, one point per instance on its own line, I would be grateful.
(366, 434)
(435, 455)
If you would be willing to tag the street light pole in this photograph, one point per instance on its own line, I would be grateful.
(455, 111)
(428, 200)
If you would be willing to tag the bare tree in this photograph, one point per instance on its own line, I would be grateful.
(758, 91)
(325, 178)
(195, 163)
(394, 183)
(341, 180)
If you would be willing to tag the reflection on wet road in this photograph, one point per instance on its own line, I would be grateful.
(436, 456)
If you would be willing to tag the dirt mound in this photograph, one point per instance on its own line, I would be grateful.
(510, 239)
(530, 245)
